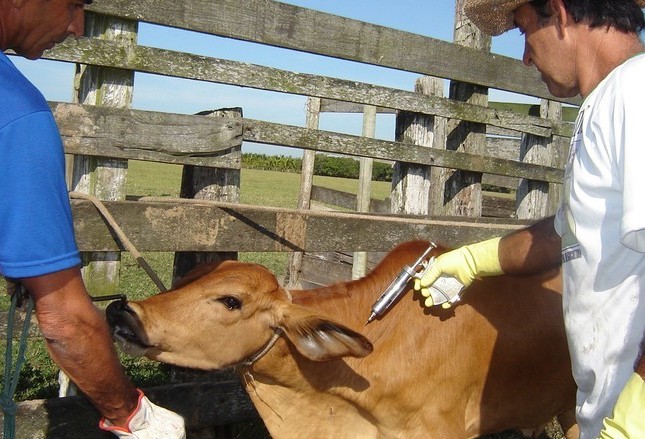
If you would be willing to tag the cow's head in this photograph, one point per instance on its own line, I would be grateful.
(222, 315)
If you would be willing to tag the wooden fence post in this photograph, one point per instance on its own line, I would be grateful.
(536, 199)
(214, 184)
(359, 263)
(410, 182)
(99, 176)
(463, 189)
(294, 268)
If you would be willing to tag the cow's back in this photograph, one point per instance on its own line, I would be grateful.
(498, 360)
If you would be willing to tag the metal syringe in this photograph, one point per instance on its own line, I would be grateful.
(398, 286)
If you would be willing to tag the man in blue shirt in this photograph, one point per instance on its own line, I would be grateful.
(37, 244)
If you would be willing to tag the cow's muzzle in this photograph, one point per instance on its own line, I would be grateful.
(125, 325)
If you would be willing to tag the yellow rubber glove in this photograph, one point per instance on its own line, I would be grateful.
(464, 263)
(628, 420)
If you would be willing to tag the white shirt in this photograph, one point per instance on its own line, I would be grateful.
(602, 225)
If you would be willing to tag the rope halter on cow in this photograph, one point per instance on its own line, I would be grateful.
(277, 333)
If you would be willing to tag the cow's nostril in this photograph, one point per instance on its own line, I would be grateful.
(113, 311)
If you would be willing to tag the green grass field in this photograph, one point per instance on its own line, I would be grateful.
(267, 188)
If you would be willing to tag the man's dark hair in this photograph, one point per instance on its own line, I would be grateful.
(624, 15)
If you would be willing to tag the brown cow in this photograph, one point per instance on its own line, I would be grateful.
(496, 361)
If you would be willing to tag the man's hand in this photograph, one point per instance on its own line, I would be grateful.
(148, 421)
(465, 264)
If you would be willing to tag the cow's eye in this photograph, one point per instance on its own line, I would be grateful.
(231, 302)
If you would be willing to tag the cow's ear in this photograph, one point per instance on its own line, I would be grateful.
(321, 339)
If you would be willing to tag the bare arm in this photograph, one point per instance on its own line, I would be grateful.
(531, 250)
(527, 251)
(79, 341)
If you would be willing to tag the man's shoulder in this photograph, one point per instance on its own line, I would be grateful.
(18, 96)
(623, 84)
(632, 70)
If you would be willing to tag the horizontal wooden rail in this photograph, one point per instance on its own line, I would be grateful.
(183, 65)
(327, 141)
(185, 139)
(334, 106)
(202, 226)
(493, 205)
(146, 135)
(278, 24)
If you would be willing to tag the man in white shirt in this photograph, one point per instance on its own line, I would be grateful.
(590, 48)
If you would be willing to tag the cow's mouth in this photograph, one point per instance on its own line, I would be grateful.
(126, 328)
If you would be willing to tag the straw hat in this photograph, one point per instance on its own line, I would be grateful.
(495, 17)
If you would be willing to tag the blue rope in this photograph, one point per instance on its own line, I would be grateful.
(10, 379)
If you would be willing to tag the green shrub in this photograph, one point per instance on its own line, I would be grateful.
(278, 163)
(382, 172)
(341, 167)
(324, 165)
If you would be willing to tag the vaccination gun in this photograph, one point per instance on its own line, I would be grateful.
(445, 291)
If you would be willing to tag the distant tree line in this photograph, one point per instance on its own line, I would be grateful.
(325, 165)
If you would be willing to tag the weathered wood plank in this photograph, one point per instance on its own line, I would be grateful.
(346, 200)
(279, 24)
(287, 135)
(202, 405)
(412, 184)
(498, 206)
(492, 205)
(538, 199)
(501, 147)
(500, 181)
(153, 136)
(312, 121)
(212, 184)
(146, 135)
(460, 192)
(334, 106)
(363, 198)
(185, 65)
(103, 176)
(321, 269)
(202, 226)
(506, 148)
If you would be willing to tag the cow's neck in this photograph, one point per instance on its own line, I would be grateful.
(347, 302)
(288, 396)
(293, 394)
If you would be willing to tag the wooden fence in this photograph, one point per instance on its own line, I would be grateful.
(438, 143)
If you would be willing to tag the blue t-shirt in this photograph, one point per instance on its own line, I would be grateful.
(36, 228)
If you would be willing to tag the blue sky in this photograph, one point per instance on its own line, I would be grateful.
(434, 18)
